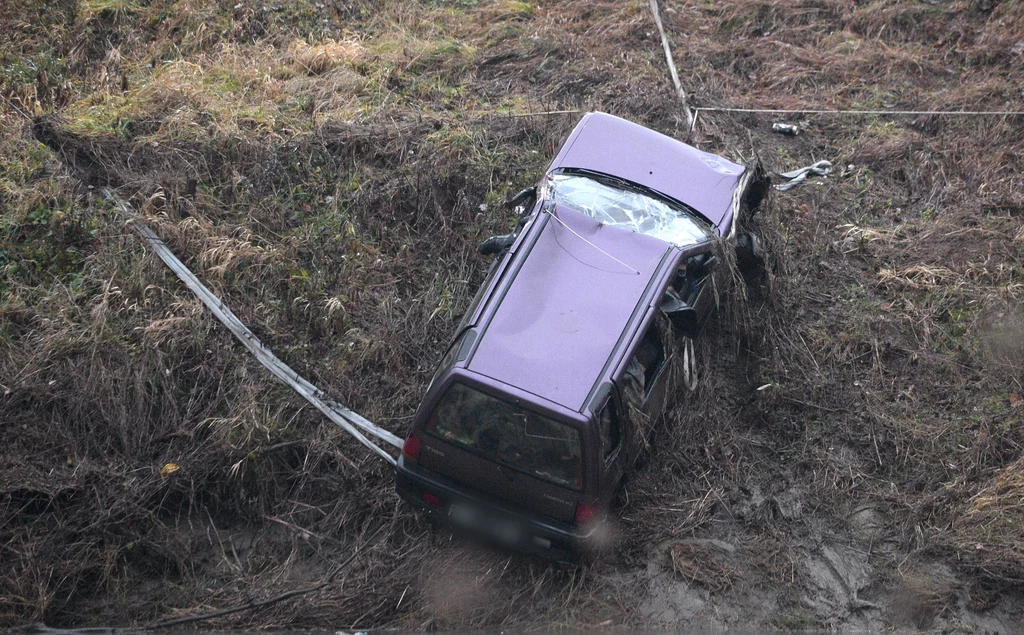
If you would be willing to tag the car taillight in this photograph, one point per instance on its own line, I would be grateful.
(432, 499)
(411, 449)
(585, 513)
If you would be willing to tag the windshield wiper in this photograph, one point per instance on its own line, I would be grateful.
(612, 181)
(629, 186)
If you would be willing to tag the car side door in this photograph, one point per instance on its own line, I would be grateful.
(646, 379)
(614, 455)
(695, 283)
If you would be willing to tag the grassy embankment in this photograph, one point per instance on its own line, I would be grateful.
(323, 168)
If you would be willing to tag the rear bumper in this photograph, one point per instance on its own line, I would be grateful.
(550, 539)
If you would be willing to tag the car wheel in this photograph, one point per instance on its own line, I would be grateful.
(749, 254)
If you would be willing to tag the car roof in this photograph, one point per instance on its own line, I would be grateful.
(610, 145)
(560, 318)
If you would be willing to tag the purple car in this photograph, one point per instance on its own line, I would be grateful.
(577, 339)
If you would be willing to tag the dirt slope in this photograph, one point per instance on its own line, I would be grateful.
(851, 459)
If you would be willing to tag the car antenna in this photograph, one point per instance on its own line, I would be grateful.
(547, 210)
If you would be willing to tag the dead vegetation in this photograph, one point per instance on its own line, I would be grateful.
(329, 170)
(701, 563)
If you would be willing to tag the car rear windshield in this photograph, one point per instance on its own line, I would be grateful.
(516, 437)
(616, 202)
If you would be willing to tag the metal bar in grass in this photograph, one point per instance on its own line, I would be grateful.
(345, 418)
(671, 64)
(818, 111)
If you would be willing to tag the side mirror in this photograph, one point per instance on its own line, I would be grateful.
(702, 265)
(497, 244)
(682, 315)
(521, 199)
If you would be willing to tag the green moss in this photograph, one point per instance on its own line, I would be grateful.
(996, 404)
(504, 32)
(101, 114)
(446, 57)
(519, 9)
(24, 160)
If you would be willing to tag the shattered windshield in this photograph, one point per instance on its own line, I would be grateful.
(519, 438)
(618, 205)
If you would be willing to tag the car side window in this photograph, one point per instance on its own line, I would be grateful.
(648, 359)
(479, 295)
(683, 282)
(608, 424)
(448, 359)
(691, 273)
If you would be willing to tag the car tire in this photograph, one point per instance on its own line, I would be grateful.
(749, 253)
(689, 369)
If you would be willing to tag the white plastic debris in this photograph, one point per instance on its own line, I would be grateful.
(796, 177)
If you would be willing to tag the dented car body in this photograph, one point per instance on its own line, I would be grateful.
(576, 341)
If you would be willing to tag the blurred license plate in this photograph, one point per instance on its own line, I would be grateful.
(465, 515)
(504, 530)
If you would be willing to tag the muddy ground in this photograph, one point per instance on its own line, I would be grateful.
(852, 457)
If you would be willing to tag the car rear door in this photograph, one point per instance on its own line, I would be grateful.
(501, 447)
(614, 455)
(646, 379)
(479, 475)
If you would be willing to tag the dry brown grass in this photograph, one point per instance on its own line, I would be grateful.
(317, 59)
(701, 564)
(989, 528)
(918, 276)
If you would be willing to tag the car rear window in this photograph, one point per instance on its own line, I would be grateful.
(611, 202)
(516, 437)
